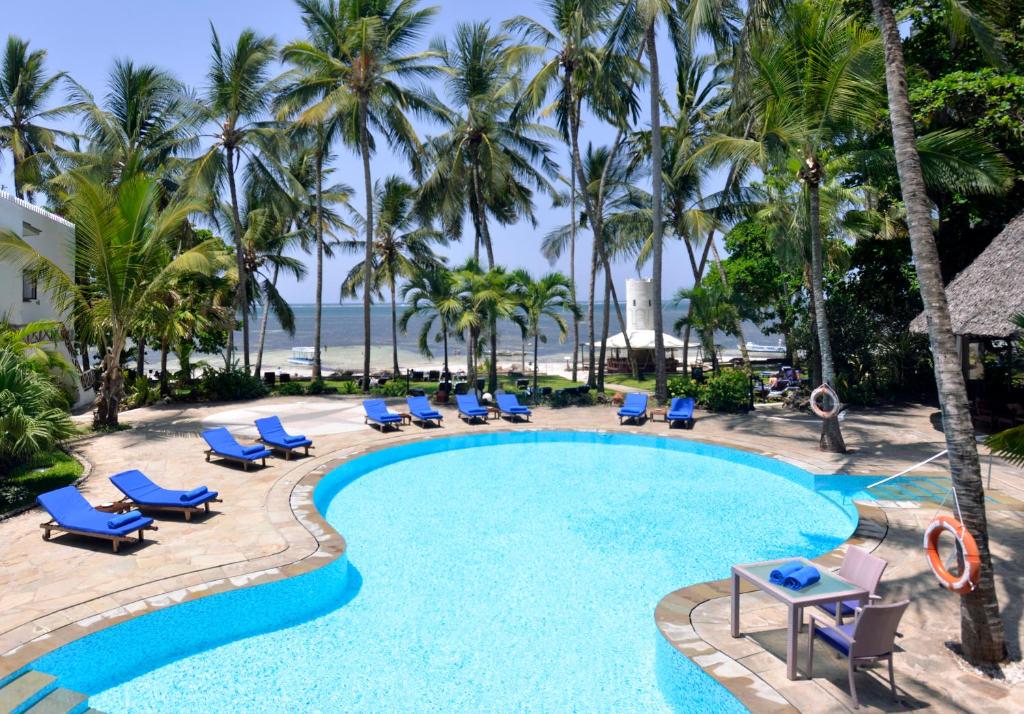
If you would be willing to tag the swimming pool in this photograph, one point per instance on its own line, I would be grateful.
(499, 572)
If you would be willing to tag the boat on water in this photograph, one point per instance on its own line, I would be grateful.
(777, 349)
(302, 356)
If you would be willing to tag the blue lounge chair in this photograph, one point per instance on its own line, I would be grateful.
(635, 407)
(70, 513)
(469, 408)
(143, 493)
(510, 406)
(377, 412)
(224, 446)
(681, 409)
(273, 435)
(421, 411)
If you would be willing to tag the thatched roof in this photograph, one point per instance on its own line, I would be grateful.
(990, 291)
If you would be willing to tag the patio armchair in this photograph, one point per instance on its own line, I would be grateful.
(862, 569)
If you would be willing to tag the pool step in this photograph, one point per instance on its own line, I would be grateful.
(36, 692)
(25, 690)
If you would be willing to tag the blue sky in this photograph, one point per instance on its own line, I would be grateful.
(83, 38)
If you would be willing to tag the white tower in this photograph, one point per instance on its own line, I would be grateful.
(639, 304)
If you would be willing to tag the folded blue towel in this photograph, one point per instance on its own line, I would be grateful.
(802, 578)
(294, 439)
(123, 519)
(194, 493)
(779, 575)
(254, 449)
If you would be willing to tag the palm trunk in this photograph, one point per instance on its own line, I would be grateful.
(263, 326)
(111, 387)
(364, 147)
(492, 368)
(831, 435)
(605, 321)
(319, 231)
(660, 380)
(481, 207)
(981, 627)
(574, 160)
(591, 294)
(241, 297)
(165, 347)
(140, 363)
(444, 336)
(394, 328)
(536, 340)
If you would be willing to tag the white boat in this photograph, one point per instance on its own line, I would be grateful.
(302, 355)
(770, 349)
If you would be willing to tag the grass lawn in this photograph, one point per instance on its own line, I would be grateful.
(43, 473)
(626, 380)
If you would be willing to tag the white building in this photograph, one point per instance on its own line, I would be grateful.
(22, 300)
(640, 328)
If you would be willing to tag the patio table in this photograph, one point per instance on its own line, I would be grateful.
(831, 588)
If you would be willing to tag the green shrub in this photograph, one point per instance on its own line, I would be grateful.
(12, 496)
(685, 387)
(348, 387)
(33, 415)
(142, 393)
(291, 389)
(230, 385)
(563, 398)
(394, 388)
(727, 391)
(43, 472)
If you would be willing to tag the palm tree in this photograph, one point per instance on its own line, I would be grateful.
(123, 265)
(546, 297)
(355, 62)
(981, 627)
(488, 152)
(33, 408)
(432, 295)
(711, 310)
(402, 247)
(237, 99)
(498, 297)
(25, 90)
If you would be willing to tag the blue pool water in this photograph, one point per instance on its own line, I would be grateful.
(499, 572)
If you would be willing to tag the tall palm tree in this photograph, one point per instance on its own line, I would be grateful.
(487, 152)
(238, 97)
(710, 310)
(432, 296)
(25, 90)
(498, 297)
(356, 60)
(121, 248)
(402, 247)
(546, 297)
(981, 627)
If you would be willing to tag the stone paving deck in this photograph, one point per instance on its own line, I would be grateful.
(267, 528)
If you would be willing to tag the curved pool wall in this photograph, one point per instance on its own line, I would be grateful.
(113, 656)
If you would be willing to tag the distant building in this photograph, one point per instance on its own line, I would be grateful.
(640, 329)
(22, 300)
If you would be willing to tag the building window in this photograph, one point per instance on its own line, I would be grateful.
(29, 287)
(634, 303)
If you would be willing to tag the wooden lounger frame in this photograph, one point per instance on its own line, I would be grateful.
(52, 525)
(245, 462)
(286, 449)
(384, 425)
(127, 504)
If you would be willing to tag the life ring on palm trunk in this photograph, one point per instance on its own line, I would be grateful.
(967, 581)
(825, 391)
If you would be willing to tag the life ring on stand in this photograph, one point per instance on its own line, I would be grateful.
(967, 581)
(823, 391)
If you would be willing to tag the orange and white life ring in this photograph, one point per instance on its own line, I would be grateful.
(825, 391)
(967, 581)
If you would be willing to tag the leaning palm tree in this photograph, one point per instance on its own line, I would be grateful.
(432, 296)
(25, 90)
(355, 62)
(123, 265)
(403, 246)
(546, 297)
(981, 628)
(238, 96)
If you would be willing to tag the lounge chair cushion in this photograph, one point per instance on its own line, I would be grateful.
(830, 635)
(681, 408)
(272, 432)
(848, 607)
(635, 405)
(254, 449)
(420, 408)
(509, 404)
(137, 486)
(123, 519)
(193, 494)
(70, 510)
(222, 442)
(469, 406)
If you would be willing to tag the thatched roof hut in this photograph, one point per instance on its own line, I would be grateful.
(990, 291)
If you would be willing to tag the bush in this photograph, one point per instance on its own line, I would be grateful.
(685, 387)
(390, 389)
(348, 387)
(317, 386)
(727, 391)
(569, 398)
(291, 389)
(230, 385)
(33, 417)
(12, 496)
(43, 472)
(142, 393)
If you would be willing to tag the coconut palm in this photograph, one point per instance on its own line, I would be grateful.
(549, 296)
(487, 152)
(356, 62)
(432, 295)
(33, 408)
(123, 265)
(25, 90)
(498, 297)
(711, 310)
(402, 247)
(238, 95)
(981, 628)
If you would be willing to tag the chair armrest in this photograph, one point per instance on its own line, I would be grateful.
(817, 620)
(874, 597)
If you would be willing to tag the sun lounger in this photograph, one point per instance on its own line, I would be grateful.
(377, 412)
(681, 409)
(273, 435)
(71, 513)
(140, 491)
(635, 407)
(469, 408)
(421, 411)
(224, 446)
(510, 406)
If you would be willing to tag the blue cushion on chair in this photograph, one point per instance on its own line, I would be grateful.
(254, 449)
(848, 607)
(831, 637)
(123, 519)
